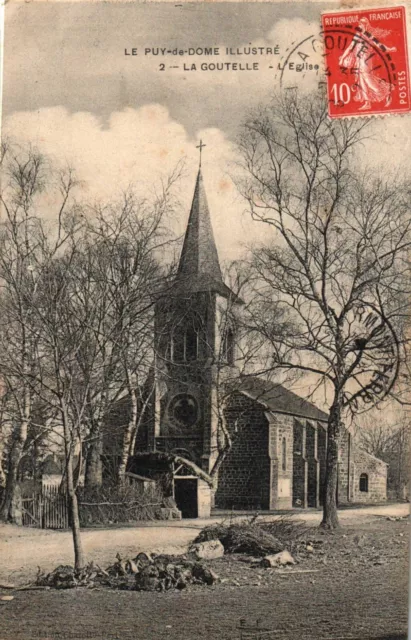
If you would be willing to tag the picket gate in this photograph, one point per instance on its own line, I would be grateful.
(46, 510)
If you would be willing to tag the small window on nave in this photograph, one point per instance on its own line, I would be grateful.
(284, 454)
(364, 483)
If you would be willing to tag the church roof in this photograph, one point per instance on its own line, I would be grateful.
(278, 399)
(361, 451)
(199, 266)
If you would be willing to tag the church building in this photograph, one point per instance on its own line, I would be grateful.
(278, 439)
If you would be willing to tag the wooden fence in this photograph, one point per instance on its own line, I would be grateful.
(46, 510)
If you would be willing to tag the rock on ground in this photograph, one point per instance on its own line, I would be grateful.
(278, 559)
(208, 550)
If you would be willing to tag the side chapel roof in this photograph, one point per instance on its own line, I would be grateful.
(278, 399)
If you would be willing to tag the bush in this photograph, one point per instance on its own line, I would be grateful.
(112, 504)
(288, 529)
(242, 538)
(258, 539)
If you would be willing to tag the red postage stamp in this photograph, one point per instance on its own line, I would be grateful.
(366, 62)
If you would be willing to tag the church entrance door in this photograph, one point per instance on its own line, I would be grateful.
(185, 495)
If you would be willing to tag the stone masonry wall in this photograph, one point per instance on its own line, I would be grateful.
(313, 467)
(281, 454)
(299, 487)
(376, 471)
(352, 463)
(344, 492)
(322, 457)
(244, 477)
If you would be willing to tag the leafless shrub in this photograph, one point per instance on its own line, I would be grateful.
(114, 504)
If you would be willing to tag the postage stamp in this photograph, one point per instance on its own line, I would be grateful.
(366, 62)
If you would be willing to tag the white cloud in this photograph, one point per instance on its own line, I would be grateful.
(139, 146)
(288, 32)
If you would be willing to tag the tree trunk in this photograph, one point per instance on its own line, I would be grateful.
(197, 471)
(224, 443)
(127, 438)
(3, 478)
(19, 440)
(12, 474)
(94, 467)
(2, 473)
(79, 557)
(330, 513)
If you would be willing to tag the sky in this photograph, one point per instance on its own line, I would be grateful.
(118, 119)
(69, 89)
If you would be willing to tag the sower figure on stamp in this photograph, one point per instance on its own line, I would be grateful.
(360, 58)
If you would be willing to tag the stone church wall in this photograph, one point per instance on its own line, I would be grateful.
(281, 453)
(299, 496)
(344, 492)
(375, 481)
(322, 458)
(353, 463)
(309, 445)
(244, 477)
(313, 465)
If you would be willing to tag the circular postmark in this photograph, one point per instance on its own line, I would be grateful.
(372, 350)
(302, 65)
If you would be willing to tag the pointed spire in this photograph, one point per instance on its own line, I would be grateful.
(199, 266)
(199, 257)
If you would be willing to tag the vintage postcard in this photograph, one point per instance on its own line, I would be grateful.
(205, 238)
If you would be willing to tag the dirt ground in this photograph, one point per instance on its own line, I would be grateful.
(23, 550)
(354, 585)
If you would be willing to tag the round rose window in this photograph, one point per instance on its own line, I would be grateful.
(183, 409)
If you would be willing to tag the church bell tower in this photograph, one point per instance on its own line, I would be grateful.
(195, 336)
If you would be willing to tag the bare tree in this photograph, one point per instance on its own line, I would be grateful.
(36, 347)
(120, 278)
(77, 323)
(330, 282)
(6, 431)
(94, 331)
(385, 433)
(62, 333)
(398, 458)
(26, 178)
(373, 433)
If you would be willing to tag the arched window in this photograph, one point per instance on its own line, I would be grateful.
(185, 341)
(284, 454)
(178, 349)
(228, 347)
(364, 482)
(191, 339)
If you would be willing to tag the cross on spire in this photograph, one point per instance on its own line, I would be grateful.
(200, 147)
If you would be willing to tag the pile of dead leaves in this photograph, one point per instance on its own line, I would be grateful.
(242, 537)
(257, 538)
(145, 572)
(66, 577)
(168, 572)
